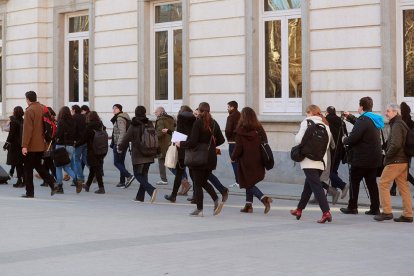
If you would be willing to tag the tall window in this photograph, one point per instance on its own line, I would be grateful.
(167, 55)
(281, 48)
(408, 31)
(77, 59)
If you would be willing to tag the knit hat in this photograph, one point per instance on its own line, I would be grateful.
(140, 111)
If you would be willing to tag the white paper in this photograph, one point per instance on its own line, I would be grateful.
(178, 137)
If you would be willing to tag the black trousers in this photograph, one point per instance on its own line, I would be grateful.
(33, 160)
(370, 176)
(95, 171)
(313, 185)
(200, 183)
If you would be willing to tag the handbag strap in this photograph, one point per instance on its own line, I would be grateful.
(212, 135)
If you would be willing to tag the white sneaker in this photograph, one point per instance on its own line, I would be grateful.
(234, 185)
(162, 182)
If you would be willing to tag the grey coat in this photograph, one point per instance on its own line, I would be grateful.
(120, 127)
(134, 135)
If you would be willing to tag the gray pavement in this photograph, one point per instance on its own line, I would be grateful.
(89, 234)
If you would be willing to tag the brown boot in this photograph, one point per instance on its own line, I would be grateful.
(185, 187)
(248, 208)
(266, 202)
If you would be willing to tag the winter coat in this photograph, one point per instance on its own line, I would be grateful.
(164, 139)
(185, 121)
(91, 127)
(364, 142)
(231, 125)
(308, 163)
(338, 129)
(250, 168)
(14, 154)
(394, 153)
(201, 135)
(133, 135)
(66, 132)
(80, 127)
(33, 132)
(120, 122)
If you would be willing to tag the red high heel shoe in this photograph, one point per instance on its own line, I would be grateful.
(297, 213)
(325, 217)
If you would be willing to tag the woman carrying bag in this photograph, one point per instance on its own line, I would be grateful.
(313, 169)
(205, 131)
(65, 138)
(250, 168)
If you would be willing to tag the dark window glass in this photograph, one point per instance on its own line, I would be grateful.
(178, 65)
(273, 59)
(161, 65)
(79, 24)
(86, 70)
(74, 71)
(168, 13)
(295, 58)
(408, 16)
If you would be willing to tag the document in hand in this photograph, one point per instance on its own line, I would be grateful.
(178, 137)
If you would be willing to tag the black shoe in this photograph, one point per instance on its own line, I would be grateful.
(189, 199)
(59, 189)
(193, 201)
(100, 191)
(129, 181)
(44, 184)
(120, 185)
(27, 196)
(170, 198)
(393, 193)
(349, 211)
(403, 219)
(383, 216)
(372, 212)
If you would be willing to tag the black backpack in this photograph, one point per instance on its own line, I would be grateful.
(409, 142)
(148, 145)
(49, 125)
(315, 141)
(100, 142)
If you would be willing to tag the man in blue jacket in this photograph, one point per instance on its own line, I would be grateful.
(364, 144)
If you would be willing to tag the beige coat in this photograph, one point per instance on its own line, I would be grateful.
(33, 133)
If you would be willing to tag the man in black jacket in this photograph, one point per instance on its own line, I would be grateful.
(231, 125)
(365, 147)
(338, 130)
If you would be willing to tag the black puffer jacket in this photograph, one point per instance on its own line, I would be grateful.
(91, 127)
(80, 126)
(201, 135)
(364, 142)
(394, 154)
(66, 132)
(338, 129)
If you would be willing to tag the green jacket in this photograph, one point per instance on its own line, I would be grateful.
(164, 139)
(394, 153)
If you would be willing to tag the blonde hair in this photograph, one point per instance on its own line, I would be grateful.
(314, 110)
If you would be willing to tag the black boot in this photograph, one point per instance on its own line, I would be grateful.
(59, 189)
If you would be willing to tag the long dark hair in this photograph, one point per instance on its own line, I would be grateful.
(248, 119)
(185, 108)
(204, 114)
(64, 113)
(93, 117)
(405, 112)
(18, 112)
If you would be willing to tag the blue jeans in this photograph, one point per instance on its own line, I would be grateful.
(141, 175)
(216, 183)
(233, 164)
(67, 168)
(79, 157)
(336, 181)
(253, 191)
(119, 162)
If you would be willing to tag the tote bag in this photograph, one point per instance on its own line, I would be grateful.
(171, 157)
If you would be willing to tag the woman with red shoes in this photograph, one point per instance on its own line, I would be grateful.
(313, 169)
(250, 170)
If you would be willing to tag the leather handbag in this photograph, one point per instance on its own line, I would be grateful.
(171, 157)
(198, 156)
(296, 153)
(60, 157)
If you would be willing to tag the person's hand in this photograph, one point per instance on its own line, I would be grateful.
(164, 130)
(345, 114)
(24, 151)
(177, 144)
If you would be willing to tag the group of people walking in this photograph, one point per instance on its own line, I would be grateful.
(78, 131)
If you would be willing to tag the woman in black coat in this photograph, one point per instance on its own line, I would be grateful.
(14, 144)
(250, 168)
(95, 161)
(205, 130)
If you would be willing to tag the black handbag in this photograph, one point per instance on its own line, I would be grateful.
(198, 156)
(60, 157)
(296, 153)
